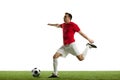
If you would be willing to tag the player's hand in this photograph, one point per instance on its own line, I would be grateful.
(49, 24)
(91, 41)
(56, 25)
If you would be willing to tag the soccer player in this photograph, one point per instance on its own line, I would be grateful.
(69, 28)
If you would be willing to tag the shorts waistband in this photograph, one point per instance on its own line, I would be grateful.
(69, 44)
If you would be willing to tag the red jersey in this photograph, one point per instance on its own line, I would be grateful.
(69, 30)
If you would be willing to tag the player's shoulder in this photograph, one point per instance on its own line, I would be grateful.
(62, 24)
(73, 23)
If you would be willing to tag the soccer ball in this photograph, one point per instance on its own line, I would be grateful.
(35, 72)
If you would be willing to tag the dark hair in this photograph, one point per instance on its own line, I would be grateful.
(70, 15)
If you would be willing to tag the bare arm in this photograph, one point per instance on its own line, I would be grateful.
(86, 37)
(56, 25)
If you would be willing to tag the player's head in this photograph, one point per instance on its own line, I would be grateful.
(67, 17)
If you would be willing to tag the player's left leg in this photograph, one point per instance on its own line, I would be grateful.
(60, 52)
(55, 64)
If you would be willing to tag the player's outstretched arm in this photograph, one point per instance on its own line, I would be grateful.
(56, 25)
(86, 37)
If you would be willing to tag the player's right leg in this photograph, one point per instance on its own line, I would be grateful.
(55, 64)
(88, 46)
(80, 57)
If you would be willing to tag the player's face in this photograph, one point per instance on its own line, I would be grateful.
(66, 18)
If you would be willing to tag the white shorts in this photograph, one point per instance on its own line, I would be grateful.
(66, 49)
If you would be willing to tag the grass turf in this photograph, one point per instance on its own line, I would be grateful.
(63, 75)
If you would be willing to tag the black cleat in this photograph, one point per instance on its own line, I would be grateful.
(91, 45)
(53, 76)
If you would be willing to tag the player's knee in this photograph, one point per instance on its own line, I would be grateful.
(81, 59)
(56, 55)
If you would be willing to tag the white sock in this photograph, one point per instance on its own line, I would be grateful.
(85, 51)
(55, 63)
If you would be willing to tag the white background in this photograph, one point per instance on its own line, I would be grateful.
(27, 42)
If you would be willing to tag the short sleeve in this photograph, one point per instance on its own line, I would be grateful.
(61, 25)
(76, 28)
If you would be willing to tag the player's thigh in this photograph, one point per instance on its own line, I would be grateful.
(61, 52)
(57, 54)
(73, 49)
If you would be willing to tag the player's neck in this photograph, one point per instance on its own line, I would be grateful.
(68, 22)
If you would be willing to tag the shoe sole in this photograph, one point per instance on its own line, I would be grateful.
(92, 45)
